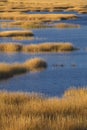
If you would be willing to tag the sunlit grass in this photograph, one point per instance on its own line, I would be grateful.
(37, 17)
(21, 111)
(23, 24)
(40, 5)
(35, 64)
(16, 33)
(10, 47)
(10, 70)
(37, 48)
(67, 25)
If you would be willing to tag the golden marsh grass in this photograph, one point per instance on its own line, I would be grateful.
(37, 17)
(66, 25)
(10, 47)
(10, 70)
(37, 48)
(21, 111)
(49, 47)
(16, 33)
(23, 24)
(40, 5)
(38, 24)
(35, 64)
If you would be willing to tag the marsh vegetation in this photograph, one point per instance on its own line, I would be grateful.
(20, 111)
(10, 70)
(52, 30)
(40, 48)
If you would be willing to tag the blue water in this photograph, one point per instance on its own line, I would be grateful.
(64, 70)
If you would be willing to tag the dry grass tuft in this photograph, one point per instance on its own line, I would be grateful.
(37, 17)
(37, 48)
(10, 47)
(16, 33)
(21, 111)
(5, 71)
(65, 25)
(35, 64)
(40, 5)
(49, 47)
(18, 68)
(10, 70)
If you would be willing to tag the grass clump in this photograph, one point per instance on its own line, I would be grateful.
(10, 70)
(35, 64)
(21, 111)
(16, 33)
(37, 17)
(10, 47)
(5, 71)
(49, 47)
(37, 48)
(39, 5)
(65, 25)
(27, 24)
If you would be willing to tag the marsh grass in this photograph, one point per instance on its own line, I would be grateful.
(35, 64)
(37, 48)
(21, 111)
(38, 24)
(16, 33)
(39, 6)
(66, 25)
(21, 38)
(10, 47)
(49, 47)
(37, 17)
(23, 24)
(5, 71)
(10, 70)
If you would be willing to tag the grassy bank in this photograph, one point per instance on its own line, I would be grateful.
(10, 70)
(24, 24)
(46, 5)
(66, 25)
(16, 33)
(37, 48)
(37, 25)
(36, 17)
(19, 111)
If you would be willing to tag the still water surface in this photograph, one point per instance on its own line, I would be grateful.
(64, 70)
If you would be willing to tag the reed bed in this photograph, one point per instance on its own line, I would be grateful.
(10, 70)
(40, 5)
(37, 17)
(37, 48)
(49, 47)
(38, 24)
(24, 24)
(16, 33)
(10, 47)
(20, 111)
(67, 25)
